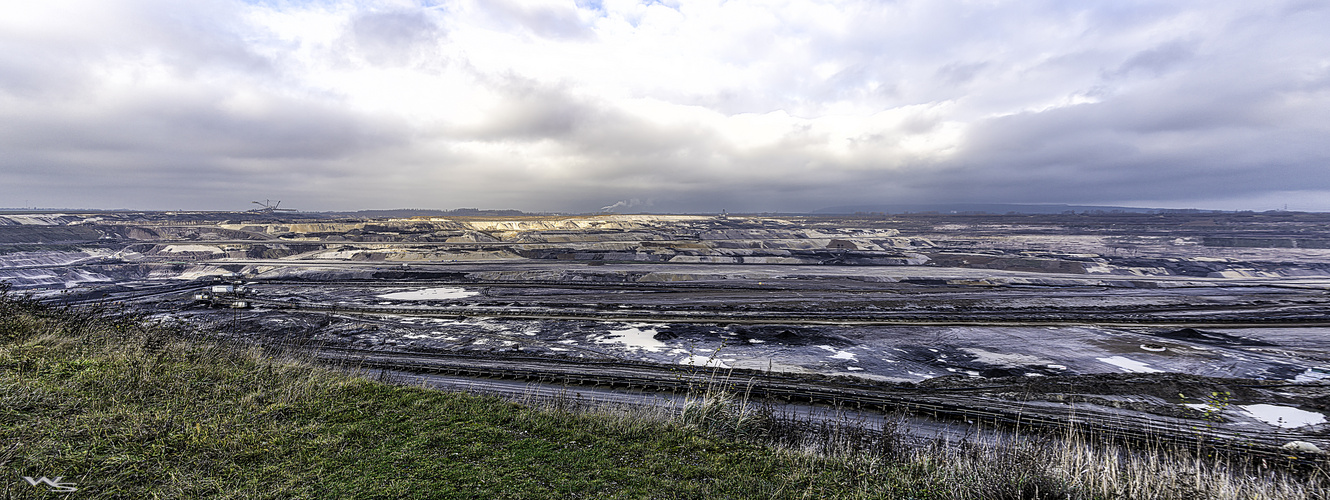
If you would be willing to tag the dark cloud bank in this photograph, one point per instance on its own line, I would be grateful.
(208, 105)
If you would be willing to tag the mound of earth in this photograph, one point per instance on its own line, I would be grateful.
(1195, 335)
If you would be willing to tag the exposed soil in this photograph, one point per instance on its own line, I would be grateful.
(1137, 313)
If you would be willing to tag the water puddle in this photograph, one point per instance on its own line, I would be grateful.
(837, 353)
(1129, 365)
(633, 338)
(1313, 374)
(430, 294)
(703, 361)
(1286, 417)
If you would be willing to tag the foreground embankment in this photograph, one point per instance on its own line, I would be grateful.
(116, 408)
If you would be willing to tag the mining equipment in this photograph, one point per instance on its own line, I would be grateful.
(231, 296)
(267, 207)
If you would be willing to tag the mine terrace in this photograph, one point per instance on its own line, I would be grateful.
(1134, 318)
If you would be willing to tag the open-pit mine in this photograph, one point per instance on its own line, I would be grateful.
(1173, 325)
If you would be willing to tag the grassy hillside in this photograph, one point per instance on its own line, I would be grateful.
(123, 409)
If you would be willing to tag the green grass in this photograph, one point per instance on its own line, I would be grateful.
(128, 410)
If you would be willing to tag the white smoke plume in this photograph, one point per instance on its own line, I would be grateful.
(622, 204)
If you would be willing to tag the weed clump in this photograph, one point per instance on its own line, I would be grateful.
(723, 413)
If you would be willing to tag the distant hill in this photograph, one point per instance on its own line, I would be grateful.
(421, 212)
(989, 208)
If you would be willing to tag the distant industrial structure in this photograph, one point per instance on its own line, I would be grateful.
(842, 245)
(267, 207)
(230, 295)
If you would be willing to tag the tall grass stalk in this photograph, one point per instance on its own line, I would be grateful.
(1006, 466)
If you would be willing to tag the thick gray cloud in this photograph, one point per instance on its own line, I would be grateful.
(544, 20)
(663, 106)
(392, 38)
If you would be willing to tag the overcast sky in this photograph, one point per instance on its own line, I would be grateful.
(666, 105)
